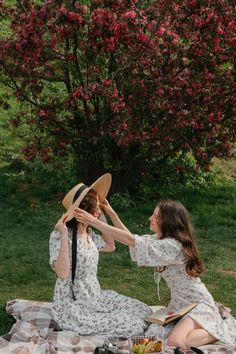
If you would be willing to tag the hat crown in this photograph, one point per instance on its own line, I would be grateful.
(69, 198)
(101, 186)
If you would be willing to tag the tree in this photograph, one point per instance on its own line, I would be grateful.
(125, 84)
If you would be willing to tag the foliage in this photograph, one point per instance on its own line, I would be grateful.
(121, 201)
(128, 87)
(11, 145)
(176, 174)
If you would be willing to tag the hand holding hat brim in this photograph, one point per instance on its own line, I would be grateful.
(84, 217)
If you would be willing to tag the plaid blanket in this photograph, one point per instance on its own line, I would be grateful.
(36, 332)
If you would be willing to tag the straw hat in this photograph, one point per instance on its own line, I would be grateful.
(74, 197)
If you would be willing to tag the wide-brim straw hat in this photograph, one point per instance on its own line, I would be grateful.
(74, 197)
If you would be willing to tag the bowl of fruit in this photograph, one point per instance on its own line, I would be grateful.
(145, 344)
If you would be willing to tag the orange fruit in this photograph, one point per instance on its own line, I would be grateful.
(144, 340)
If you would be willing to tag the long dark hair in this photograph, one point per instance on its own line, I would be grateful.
(175, 223)
(89, 204)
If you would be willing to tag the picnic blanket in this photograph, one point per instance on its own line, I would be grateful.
(36, 332)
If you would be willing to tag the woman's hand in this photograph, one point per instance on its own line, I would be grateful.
(105, 205)
(83, 217)
(61, 225)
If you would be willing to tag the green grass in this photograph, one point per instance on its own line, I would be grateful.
(29, 212)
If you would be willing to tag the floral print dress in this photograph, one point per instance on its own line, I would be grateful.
(95, 311)
(166, 254)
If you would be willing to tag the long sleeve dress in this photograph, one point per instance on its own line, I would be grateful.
(95, 311)
(168, 258)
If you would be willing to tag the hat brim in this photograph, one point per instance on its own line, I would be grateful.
(101, 186)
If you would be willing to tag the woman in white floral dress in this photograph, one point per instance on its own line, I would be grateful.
(173, 253)
(79, 304)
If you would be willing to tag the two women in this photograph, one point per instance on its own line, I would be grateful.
(79, 303)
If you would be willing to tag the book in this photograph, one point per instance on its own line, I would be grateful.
(163, 316)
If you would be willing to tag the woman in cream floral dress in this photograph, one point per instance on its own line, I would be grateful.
(173, 253)
(79, 304)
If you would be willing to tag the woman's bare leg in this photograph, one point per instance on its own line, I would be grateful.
(188, 333)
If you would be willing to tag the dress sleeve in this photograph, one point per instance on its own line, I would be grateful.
(54, 246)
(98, 240)
(149, 251)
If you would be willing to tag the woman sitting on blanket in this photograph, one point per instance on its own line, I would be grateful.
(79, 304)
(174, 254)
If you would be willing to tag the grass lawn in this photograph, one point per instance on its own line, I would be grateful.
(28, 215)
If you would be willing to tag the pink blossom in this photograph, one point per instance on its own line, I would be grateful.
(161, 31)
(115, 93)
(130, 15)
(42, 113)
(74, 17)
(106, 83)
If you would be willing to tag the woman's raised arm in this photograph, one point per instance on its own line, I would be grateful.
(62, 264)
(105, 205)
(123, 236)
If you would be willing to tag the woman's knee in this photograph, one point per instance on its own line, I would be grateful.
(176, 341)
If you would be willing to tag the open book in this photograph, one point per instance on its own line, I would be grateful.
(163, 316)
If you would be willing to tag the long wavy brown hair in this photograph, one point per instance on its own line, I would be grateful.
(89, 203)
(175, 223)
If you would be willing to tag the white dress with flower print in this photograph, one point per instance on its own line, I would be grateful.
(167, 256)
(95, 311)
